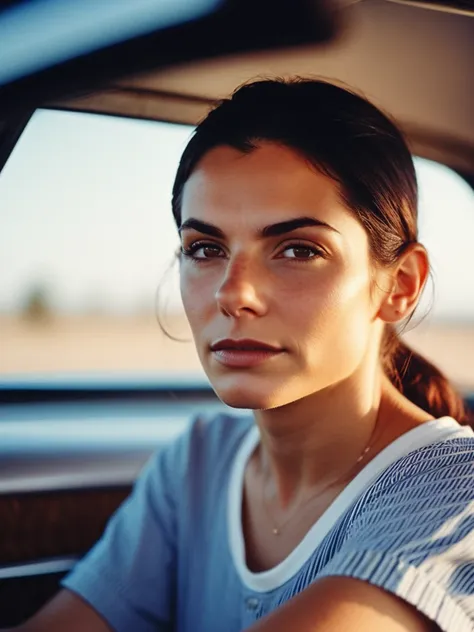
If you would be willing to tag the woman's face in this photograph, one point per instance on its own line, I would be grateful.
(276, 279)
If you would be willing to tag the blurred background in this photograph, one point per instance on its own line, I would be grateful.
(87, 254)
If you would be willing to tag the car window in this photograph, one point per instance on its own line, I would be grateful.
(443, 326)
(87, 238)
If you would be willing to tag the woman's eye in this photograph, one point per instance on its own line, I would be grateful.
(203, 251)
(300, 252)
(209, 252)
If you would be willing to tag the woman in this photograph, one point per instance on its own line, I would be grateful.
(345, 503)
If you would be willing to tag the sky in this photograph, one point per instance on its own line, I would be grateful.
(85, 213)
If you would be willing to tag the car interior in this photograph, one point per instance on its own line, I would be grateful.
(74, 434)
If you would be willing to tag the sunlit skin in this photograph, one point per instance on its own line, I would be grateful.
(314, 293)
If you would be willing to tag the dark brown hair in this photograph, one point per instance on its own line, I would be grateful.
(346, 137)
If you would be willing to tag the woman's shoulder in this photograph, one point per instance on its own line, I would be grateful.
(444, 457)
(412, 531)
(428, 483)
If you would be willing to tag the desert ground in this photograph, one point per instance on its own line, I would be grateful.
(136, 344)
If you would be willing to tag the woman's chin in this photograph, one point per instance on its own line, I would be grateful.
(243, 400)
(250, 394)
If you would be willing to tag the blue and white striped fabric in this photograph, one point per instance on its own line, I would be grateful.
(173, 556)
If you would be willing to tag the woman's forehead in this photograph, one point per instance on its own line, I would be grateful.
(268, 185)
(266, 161)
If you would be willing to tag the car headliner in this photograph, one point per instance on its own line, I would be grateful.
(413, 62)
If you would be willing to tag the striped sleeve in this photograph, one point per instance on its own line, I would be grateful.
(413, 534)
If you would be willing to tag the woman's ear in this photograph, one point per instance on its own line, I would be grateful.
(408, 279)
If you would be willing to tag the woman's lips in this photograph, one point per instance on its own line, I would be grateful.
(243, 359)
(243, 354)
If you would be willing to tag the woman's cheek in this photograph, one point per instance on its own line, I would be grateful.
(187, 289)
(197, 295)
(353, 289)
(350, 314)
(339, 303)
(301, 284)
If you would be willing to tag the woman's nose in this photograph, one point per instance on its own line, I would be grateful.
(242, 290)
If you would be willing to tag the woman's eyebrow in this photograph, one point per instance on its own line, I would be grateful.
(201, 227)
(273, 230)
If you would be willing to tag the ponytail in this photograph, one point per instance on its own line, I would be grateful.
(419, 380)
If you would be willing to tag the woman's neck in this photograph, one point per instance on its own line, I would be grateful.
(316, 440)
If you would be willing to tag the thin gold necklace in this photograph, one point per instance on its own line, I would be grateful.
(277, 529)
